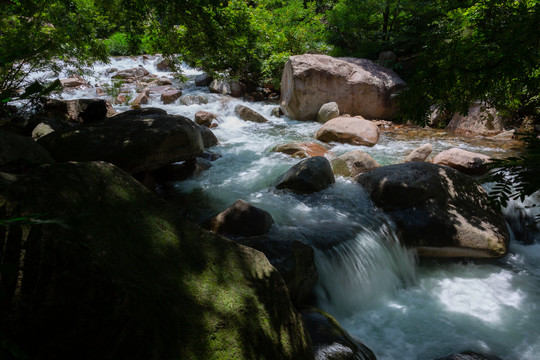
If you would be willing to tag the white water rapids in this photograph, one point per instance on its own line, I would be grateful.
(375, 288)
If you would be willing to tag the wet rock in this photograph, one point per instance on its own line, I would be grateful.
(294, 260)
(227, 87)
(350, 130)
(277, 112)
(353, 163)
(170, 96)
(164, 65)
(420, 154)
(142, 98)
(437, 210)
(358, 86)
(111, 249)
(470, 355)
(241, 219)
(308, 176)
(203, 80)
(181, 170)
(247, 114)
(208, 137)
(330, 340)
(137, 72)
(79, 110)
(20, 152)
(159, 89)
(462, 160)
(205, 118)
(163, 81)
(480, 120)
(327, 112)
(301, 150)
(133, 142)
(75, 82)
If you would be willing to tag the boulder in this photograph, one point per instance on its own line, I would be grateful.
(181, 170)
(193, 100)
(142, 98)
(139, 113)
(74, 82)
(247, 114)
(420, 154)
(277, 112)
(301, 150)
(349, 130)
(133, 142)
(358, 86)
(470, 355)
(294, 260)
(327, 112)
(203, 80)
(438, 210)
(112, 271)
(241, 219)
(79, 110)
(163, 81)
(133, 73)
(170, 96)
(164, 65)
(310, 175)
(160, 89)
(20, 152)
(227, 87)
(353, 163)
(330, 340)
(47, 126)
(208, 137)
(480, 120)
(205, 118)
(465, 161)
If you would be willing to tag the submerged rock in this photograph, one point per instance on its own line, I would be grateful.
(438, 210)
(308, 176)
(112, 271)
(294, 260)
(349, 130)
(358, 86)
(133, 142)
(470, 355)
(330, 340)
(241, 219)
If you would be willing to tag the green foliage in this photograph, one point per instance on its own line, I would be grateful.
(117, 44)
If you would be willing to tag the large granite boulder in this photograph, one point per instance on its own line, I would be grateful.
(358, 86)
(310, 175)
(481, 119)
(112, 271)
(438, 210)
(465, 161)
(349, 130)
(330, 340)
(294, 260)
(133, 142)
(353, 163)
(18, 152)
(301, 150)
(241, 219)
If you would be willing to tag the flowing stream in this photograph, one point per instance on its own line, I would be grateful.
(399, 307)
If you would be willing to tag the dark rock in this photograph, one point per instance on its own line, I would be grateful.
(309, 175)
(112, 271)
(208, 137)
(203, 80)
(330, 340)
(438, 210)
(294, 260)
(135, 144)
(79, 110)
(241, 219)
(20, 152)
(181, 171)
(469, 355)
(139, 113)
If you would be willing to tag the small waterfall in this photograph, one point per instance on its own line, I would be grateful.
(523, 217)
(355, 273)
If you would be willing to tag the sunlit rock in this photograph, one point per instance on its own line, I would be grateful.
(349, 130)
(247, 114)
(420, 154)
(327, 112)
(465, 161)
(358, 86)
(353, 163)
(301, 150)
(438, 210)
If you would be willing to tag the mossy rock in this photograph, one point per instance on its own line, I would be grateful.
(107, 270)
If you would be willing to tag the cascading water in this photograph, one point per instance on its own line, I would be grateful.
(368, 281)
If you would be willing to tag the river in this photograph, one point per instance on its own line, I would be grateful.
(400, 307)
